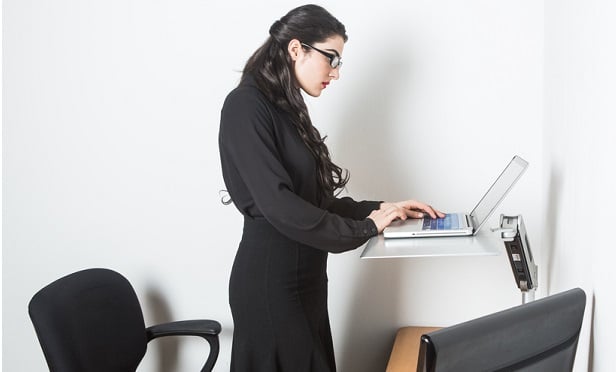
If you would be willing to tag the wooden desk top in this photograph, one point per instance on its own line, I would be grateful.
(405, 353)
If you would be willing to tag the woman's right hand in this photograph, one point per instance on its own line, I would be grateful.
(384, 216)
(389, 212)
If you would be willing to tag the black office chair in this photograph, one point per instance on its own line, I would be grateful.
(91, 321)
(539, 336)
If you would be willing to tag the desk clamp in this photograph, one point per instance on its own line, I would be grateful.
(513, 233)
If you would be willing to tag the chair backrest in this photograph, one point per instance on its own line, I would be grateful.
(538, 336)
(89, 321)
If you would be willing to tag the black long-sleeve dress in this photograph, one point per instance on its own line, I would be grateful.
(278, 284)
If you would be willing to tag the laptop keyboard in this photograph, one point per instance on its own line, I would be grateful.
(450, 221)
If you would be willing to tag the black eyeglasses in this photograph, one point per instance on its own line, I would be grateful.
(334, 60)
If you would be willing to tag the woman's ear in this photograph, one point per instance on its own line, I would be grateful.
(294, 48)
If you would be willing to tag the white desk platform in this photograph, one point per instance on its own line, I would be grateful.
(485, 243)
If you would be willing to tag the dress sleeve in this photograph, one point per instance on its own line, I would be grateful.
(247, 143)
(348, 207)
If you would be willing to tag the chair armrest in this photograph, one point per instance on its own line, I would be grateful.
(207, 329)
(200, 327)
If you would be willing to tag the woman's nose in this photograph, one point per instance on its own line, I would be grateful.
(335, 73)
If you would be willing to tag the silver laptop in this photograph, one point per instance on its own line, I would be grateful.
(461, 224)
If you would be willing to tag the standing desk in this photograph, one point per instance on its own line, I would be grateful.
(485, 243)
(405, 351)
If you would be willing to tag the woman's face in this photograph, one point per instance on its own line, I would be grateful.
(312, 68)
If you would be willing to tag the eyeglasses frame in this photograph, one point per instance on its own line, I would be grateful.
(334, 60)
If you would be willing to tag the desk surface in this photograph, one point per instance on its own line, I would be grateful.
(485, 243)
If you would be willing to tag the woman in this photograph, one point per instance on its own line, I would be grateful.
(279, 174)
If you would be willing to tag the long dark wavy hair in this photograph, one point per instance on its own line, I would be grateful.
(271, 66)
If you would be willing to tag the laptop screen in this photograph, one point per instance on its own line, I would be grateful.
(486, 206)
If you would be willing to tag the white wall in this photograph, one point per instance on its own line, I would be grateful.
(110, 156)
(579, 154)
